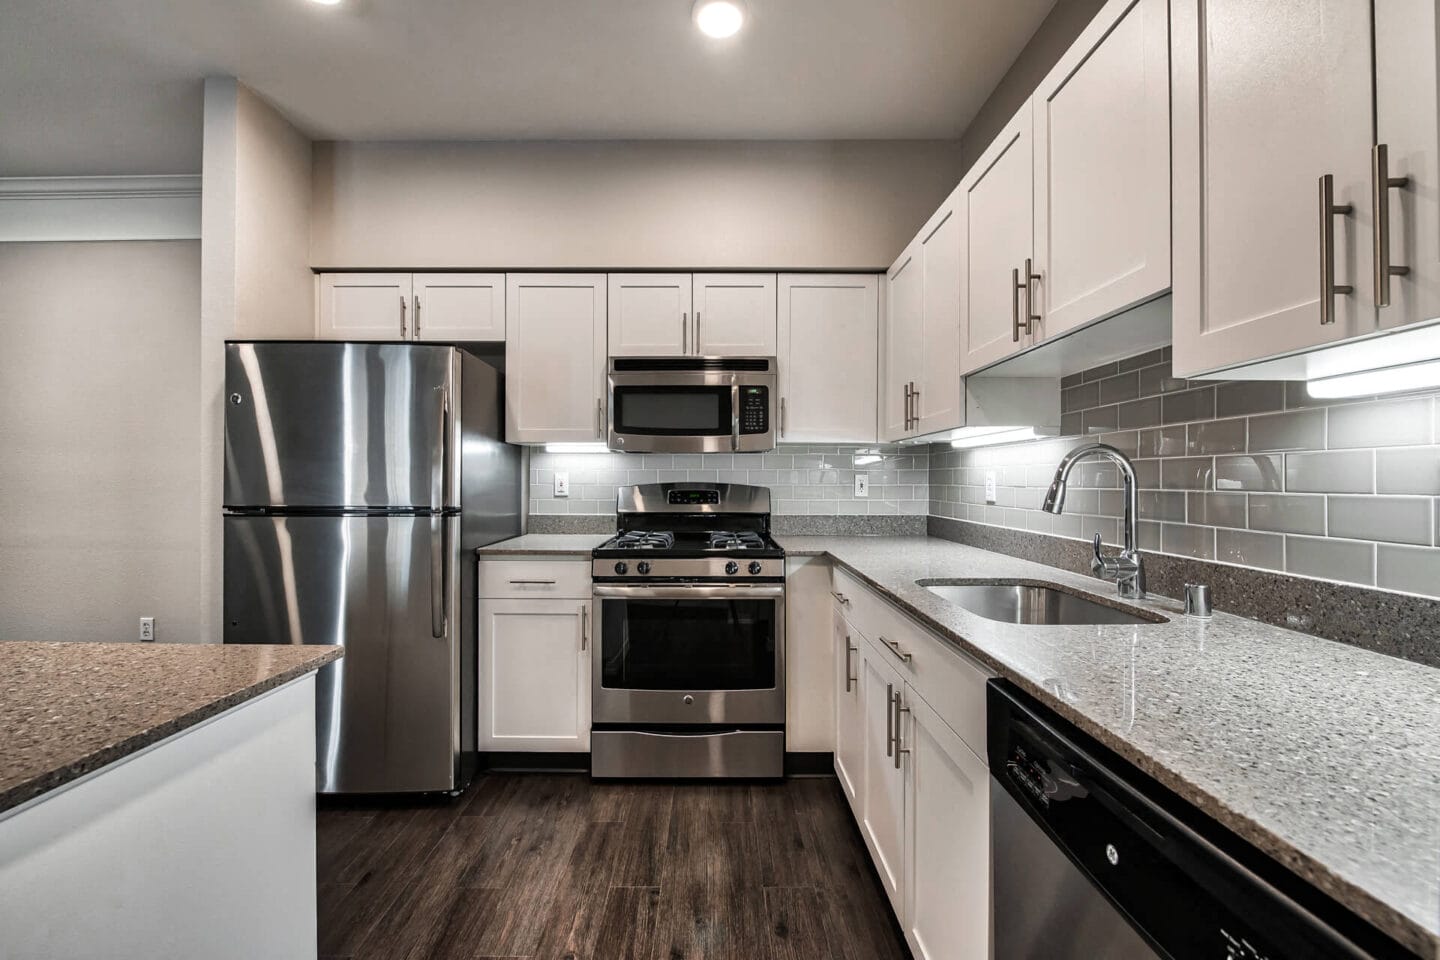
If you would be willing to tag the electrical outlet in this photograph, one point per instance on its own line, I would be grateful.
(862, 484)
(562, 484)
(989, 486)
(147, 629)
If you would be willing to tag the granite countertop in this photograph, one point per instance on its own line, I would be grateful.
(1325, 756)
(68, 709)
(547, 544)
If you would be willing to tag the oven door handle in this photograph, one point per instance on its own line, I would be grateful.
(708, 591)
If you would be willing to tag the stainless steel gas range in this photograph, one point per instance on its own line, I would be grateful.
(689, 670)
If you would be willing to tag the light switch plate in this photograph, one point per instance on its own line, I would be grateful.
(989, 486)
(862, 484)
(562, 483)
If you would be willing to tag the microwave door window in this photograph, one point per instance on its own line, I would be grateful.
(672, 411)
(688, 644)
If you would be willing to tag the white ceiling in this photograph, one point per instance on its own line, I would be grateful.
(112, 87)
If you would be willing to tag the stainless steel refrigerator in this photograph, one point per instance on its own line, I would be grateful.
(359, 479)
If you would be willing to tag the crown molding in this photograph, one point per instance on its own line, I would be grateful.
(99, 208)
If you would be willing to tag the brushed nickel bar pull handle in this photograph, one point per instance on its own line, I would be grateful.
(695, 341)
(889, 720)
(685, 333)
(417, 316)
(584, 627)
(1031, 277)
(899, 709)
(894, 647)
(1382, 183)
(1329, 209)
(533, 583)
(850, 679)
(1015, 305)
(914, 404)
(782, 416)
(840, 596)
(600, 418)
(404, 334)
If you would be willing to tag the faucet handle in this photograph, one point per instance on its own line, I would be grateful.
(1097, 563)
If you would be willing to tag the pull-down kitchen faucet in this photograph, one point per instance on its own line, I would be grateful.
(1127, 569)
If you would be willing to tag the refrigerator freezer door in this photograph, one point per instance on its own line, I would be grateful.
(387, 713)
(364, 426)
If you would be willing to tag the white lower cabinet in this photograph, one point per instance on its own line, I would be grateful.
(849, 709)
(919, 790)
(947, 840)
(535, 656)
(882, 813)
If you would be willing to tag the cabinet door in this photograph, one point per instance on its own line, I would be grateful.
(650, 315)
(1408, 123)
(883, 787)
(829, 336)
(1102, 169)
(1267, 98)
(364, 306)
(849, 711)
(554, 357)
(940, 404)
(999, 224)
(535, 675)
(902, 332)
(459, 307)
(735, 314)
(947, 838)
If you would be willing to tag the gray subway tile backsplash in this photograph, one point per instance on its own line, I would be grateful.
(1256, 473)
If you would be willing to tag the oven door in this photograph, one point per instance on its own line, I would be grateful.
(695, 412)
(701, 654)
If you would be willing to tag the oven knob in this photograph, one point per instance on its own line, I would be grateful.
(642, 567)
(622, 568)
(755, 567)
(732, 568)
(689, 699)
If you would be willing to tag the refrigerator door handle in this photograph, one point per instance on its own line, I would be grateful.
(439, 576)
(439, 486)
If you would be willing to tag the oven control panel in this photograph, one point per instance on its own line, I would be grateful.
(689, 498)
(754, 409)
(690, 568)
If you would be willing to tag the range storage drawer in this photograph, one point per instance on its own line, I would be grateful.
(518, 579)
(631, 754)
(952, 683)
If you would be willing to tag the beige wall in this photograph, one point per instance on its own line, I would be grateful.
(254, 277)
(650, 204)
(99, 461)
(1050, 41)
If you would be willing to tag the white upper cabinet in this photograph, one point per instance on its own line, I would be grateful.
(364, 306)
(938, 402)
(947, 840)
(997, 246)
(650, 315)
(901, 336)
(555, 357)
(829, 339)
(734, 314)
(1407, 121)
(1271, 102)
(458, 307)
(1102, 172)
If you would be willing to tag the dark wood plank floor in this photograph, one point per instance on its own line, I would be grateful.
(556, 867)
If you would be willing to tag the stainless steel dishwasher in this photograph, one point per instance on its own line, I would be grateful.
(1092, 860)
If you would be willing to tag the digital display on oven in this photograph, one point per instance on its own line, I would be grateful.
(687, 497)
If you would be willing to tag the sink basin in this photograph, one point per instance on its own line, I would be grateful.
(1039, 604)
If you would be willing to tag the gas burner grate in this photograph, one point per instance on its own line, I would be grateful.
(730, 540)
(645, 540)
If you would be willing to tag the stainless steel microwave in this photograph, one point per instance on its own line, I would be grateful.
(692, 404)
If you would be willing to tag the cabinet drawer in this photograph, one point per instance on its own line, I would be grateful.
(514, 579)
(952, 683)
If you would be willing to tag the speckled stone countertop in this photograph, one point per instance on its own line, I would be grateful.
(67, 709)
(547, 544)
(1325, 756)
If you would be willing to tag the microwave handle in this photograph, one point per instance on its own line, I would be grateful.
(734, 415)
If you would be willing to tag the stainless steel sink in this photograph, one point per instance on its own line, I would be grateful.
(1026, 602)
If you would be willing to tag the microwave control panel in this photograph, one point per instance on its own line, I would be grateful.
(754, 409)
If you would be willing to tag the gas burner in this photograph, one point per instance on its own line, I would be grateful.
(645, 540)
(733, 540)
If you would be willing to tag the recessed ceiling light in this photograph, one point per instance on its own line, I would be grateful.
(326, 3)
(719, 18)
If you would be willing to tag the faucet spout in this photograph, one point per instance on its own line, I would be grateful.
(1128, 568)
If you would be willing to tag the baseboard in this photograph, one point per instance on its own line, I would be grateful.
(804, 764)
(797, 764)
